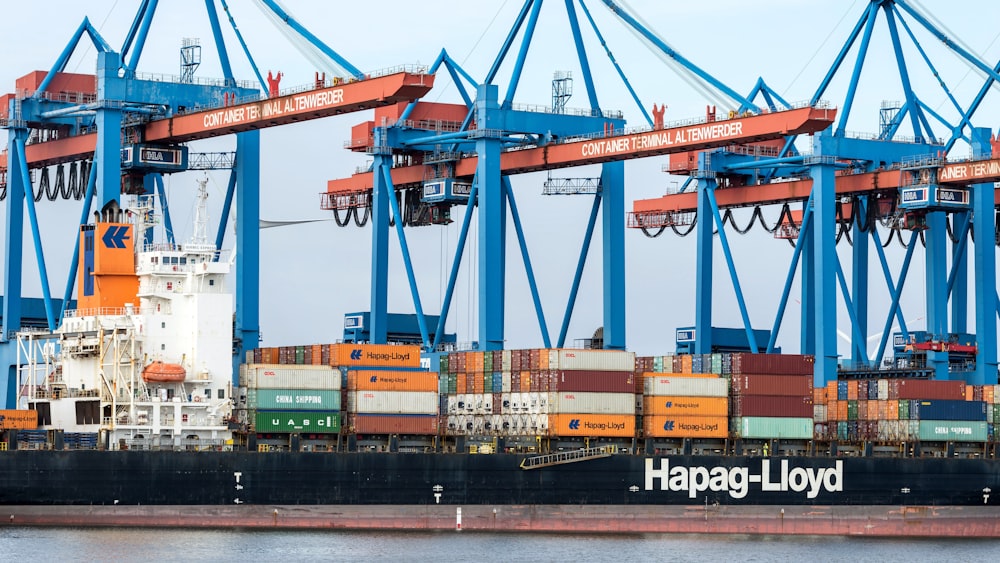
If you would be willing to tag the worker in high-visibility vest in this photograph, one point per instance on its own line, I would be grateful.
(765, 449)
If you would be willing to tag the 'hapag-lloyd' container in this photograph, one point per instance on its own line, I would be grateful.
(592, 403)
(375, 355)
(594, 425)
(605, 360)
(685, 426)
(687, 386)
(670, 405)
(391, 380)
(290, 376)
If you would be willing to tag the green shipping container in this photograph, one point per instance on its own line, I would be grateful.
(775, 427)
(302, 421)
(952, 431)
(852, 410)
(300, 355)
(904, 410)
(443, 363)
(996, 413)
(293, 399)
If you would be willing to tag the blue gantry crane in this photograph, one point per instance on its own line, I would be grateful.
(134, 128)
(848, 185)
(477, 146)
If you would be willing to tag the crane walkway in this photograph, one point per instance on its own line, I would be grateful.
(548, 460)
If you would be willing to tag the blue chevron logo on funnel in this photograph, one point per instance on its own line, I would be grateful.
(115, 236)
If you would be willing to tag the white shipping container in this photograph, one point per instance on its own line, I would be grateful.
(593, 403)
(892, 430)
(394, 402)
(505, 382)
(504, 362)
(687, 386)
(601, 360)
(819, 413)
(281, 376)
(883, 389)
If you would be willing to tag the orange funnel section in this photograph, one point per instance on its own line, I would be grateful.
(106, 274)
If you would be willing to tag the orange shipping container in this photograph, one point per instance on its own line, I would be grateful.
(686, 364)
(970, 393)
(317, 354)
(594, 425)
(18, 420)
(819, 396)
(852, 390)
(988, 394)
(375, 355)
(685, 406)
(831, 392)
(831, 410)
(842, 410)
(371, 380)
(685, 426)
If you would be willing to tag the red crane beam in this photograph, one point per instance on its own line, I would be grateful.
(280, 110)
(620, 147)
(964, 173)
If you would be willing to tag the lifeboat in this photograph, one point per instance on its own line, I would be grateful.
(160, 372)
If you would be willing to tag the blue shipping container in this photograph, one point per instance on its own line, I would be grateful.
(948, 410)
(841, 390)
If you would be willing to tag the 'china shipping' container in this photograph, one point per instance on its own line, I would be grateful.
(952, 431)
(293, 399)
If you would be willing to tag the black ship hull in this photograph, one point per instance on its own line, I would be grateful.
(147, 478)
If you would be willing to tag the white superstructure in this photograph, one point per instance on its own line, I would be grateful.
(154, 376)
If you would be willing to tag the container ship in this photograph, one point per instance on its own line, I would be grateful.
(128, 414)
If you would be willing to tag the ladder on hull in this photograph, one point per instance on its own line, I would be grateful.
(560, 458)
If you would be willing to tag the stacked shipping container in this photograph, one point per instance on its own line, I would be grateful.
(685, 406)
(772, 396)
(893, 411)
(539, 392)
(292, 398)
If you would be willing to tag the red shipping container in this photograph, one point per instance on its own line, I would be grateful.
(772, 406)
(772, 364)
(786, 385)
(915, 389)
(420, 424)
(515, 360)
(594, 381)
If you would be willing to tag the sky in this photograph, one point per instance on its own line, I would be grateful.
(314, 273)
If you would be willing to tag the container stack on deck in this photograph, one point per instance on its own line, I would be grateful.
(772, 396)
(907, 410)
(292, 398)
(539, 392)
(571, 394)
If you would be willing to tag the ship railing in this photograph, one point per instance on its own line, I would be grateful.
(559, 458)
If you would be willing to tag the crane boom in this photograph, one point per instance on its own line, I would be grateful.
(968, 172)
(280, 110)
(620, 146)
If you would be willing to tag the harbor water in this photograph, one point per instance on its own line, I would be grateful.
(133, 544)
